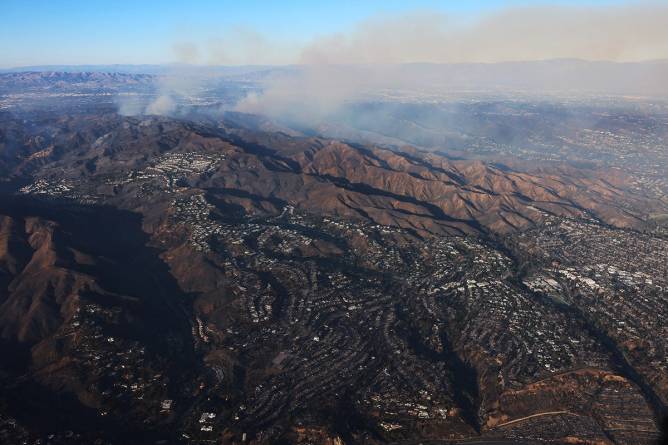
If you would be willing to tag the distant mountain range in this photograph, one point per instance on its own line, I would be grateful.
(55, 80)
(549, 76)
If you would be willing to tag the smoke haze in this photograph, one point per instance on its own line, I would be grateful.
(632, 32)
(532, 49)
(432, 53)
(627, 32)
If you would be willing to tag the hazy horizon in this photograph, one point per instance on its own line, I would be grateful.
(96, 66)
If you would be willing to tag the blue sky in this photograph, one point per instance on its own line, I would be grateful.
(36, 32)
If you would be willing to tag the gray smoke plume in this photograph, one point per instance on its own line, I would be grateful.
(426, 55)
(622, 33)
